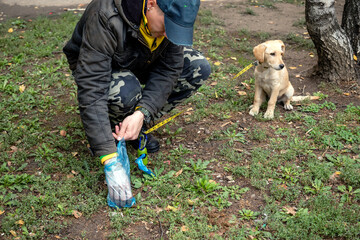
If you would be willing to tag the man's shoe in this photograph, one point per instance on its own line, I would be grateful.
(152, 144)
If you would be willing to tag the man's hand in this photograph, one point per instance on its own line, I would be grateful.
(130, 127)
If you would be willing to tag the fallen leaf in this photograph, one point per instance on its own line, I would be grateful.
(335, 176)
(178, 172)
(171, 208)
(211, 181)
(157, 209)
(69, 176)
(13, 149)
(245, 85)
(20, 222)
(233, 58)
(13, 233)
(297, 76)
(305, 33)
(190, 202)
(10, 30)
(347, 94)
(63, 133)
(74, 153)
(242, 93)
(355, 57)
(217, 63)
(213, 84)
(1, 212)
(58, 237)
(73, 172)
(22, 88)
(290, 210)
(76, 214)
(184, 228)
(292, 67)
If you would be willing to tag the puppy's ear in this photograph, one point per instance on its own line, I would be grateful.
(282, 46)
(259, 52)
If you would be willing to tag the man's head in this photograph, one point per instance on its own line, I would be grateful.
(173, 19)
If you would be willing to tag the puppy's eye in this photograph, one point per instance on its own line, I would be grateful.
(272, 54)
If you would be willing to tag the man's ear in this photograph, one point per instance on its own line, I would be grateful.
(151, 3)
(259, 52)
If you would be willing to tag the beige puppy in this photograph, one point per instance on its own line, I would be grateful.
(271, 78)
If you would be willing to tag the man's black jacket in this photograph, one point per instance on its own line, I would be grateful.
(107, 37)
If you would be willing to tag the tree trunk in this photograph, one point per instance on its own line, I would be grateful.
(351, 24)
(335, 55)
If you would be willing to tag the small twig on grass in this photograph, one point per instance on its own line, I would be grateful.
(161, 229)
(226, 124)
(322, 155)
(303, 90)
(308, 131)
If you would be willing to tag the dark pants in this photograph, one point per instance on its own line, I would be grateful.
(126, 91)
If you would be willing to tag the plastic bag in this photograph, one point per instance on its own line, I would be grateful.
(117, 174)
(142, 167)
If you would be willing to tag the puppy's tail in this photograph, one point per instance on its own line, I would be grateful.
(302, 98)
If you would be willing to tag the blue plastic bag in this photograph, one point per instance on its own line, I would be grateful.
(117, 174)
(142, 167)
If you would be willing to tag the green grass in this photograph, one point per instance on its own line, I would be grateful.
(304, 165)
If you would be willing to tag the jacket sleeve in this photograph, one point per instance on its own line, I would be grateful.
(93, 76)
(162, 78)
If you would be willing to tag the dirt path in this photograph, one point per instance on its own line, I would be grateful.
(31, 8)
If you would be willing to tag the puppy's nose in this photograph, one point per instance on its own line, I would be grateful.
(281, 66)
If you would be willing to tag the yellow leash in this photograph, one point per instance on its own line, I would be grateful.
(255, 63)
(162, 123)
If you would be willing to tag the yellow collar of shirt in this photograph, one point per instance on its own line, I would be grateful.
(152, 42)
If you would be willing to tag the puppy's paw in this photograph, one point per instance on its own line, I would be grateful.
(288, 107)
(269, 114)
(254, 112)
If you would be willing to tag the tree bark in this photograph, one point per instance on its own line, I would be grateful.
(351, 24)
(335, 55)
